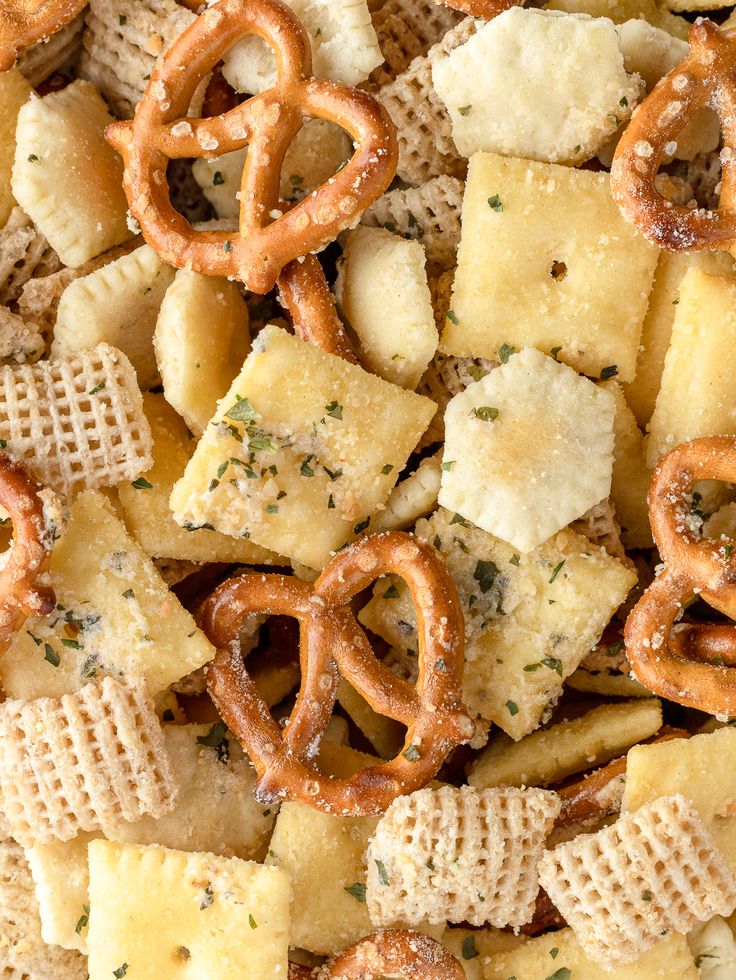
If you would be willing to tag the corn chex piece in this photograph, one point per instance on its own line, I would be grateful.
(383, 292)
(538, 84)
(14, 92)
(423, 127)
(407, 30)
(185, 915)
(344, 46)
(529, 620)
(123, 40)
(528, 449)
(546, 260)
(146, 512)
(429, 213)
(117, 304)
(283, 447)
(25, 956)
(561, 953)
(24, 253)
(59, 143)
(114, 615)
(77, 421)
(695, 394)
(79, 762)
(39, 61)
(459, 855)
(652, 872)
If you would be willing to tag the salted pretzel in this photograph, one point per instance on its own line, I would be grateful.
(395, 952)
(23, 22)
(705, 78)
(691, 664)
(333, 644)
(485, 9)
(21, 594)
(304, 292)
(269, 236)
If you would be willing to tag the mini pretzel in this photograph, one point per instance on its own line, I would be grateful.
(333, 644)
(672, 663)
(269, 238)
(304, 292)
(20, 593)
(704, 78)
(22, 22)
(395, 952)
(485, 9)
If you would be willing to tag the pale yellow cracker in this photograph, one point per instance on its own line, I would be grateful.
(14, 92)
(429, 213)
(652, 872)
(546, 260)
(60, 143)
(406, 30)
(117, 304)
(185, 915)
(77, 420)
(459, 855)
(631, 475)
(24, 253)
(114, 615)
(713, 945)
(77, 763)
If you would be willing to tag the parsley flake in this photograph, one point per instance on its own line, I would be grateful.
(563, 973)
(97, 387)
(609, 372)
(386, 469)
(72, 644)
(50, 655)
(122, 20)
(514, 560)
(141, 484)
(391, 592)
(485, 575)
(556, 571)
(361, 525)
(452, 317)
(129, 594)
(513, 708)
(33, 158)
(228, 246)
(218, 179)
(357, 891)
(82, 921)
(334, 410)
(464, 109)
(382, 876)
(305, 469)
(121, 971)
(504, 352)
(252, 922)
(208, 896)
(216, 739)
(647, 896)
(469, 950)
(486, 413)
(495, 204)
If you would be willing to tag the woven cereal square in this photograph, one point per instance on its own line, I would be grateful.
(77, 420)
(459, 855)
(84, 761)
(653, 872)
(430, 214)
(407, 29)
(426, 147)
(24, 253)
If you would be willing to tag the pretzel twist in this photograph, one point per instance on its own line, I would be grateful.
(394, 952)
(269, 237)
(21, 594)
(23, 22)
(692, 664)
(704, 78)
(333, 644)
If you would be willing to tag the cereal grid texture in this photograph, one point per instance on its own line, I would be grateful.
(77, 421)
(77, 763)
(460, 855)
(407, 29)
(654, 871)
(24, 254)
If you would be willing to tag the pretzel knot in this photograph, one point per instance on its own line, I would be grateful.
(267, 123)
(690, 664)
(333, 644)
(704, 78)
(33, 538)
(395, 952)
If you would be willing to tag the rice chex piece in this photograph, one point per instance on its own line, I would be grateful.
(23, 953)
(24, 253)
(430, 213)
(446, 377)
(600, 526)
(20, 342)
(83, 761)
(77, 420)
(41, 60)
(459, 855)
(424, 130)
(655, 871)
(407, 29)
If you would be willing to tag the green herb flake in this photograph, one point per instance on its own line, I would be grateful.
(361, 525)
(464, 109)
(272, 509)
(554, 664)
(469, 950)
(704, 956)
(609, 372)
(553, 952)
(50, 655)
(33, 158)
(382, 876)
(495, 204)
(72, 644)
(556, 571)
(141, 484)
(391, 592)
(242, 411)
(614, 649)
(531, 668)
(228, 246)
(485, 575)
(208, 896)
(429, 864)
(389, 226)
(357, 891)
(504, 353)
(647, 896)
(486, 413)
(3, 443)
(513, 708)
(334, 410)
(97, 387)
(252, 922)
(514, 560)
(129, 594)
(564, 973)
(122, 20)
(412, 754)
(676, 301)
(555, 351)
(305, 469)
(452, 317)
(330, 502)
(386, 469)
(448, 465)
(216, 739)
(623, 102)
(218, 179)
(82, 921)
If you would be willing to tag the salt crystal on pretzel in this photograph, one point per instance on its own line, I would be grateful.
(407, 30)
(654, 871)
(84, 761)
(459, 855)
(77, 420)
(24, 21)
(24, 254)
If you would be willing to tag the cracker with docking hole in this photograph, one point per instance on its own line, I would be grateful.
(343, 40)
(383, 294)
(39, 61)
(14, 93)
(519, 645)
(459, 854)
(538, 84)
(429, 213)
(123, 40)
(292, 422)
(76, 420)
(24, 254)
(147, 515)
(218, 917)
(59, 143)
(201, 340)
(654, 871)
(407, 30)
(531, 448)
(82, 761)
(114, 615)
(424, 130)
(117, 304)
